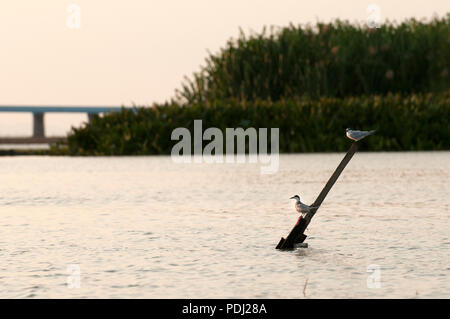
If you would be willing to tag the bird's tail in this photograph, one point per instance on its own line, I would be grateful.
(372, 132)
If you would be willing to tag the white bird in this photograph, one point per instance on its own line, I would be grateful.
(301, 207)
(358, 135)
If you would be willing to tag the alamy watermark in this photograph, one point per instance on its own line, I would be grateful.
(73, 20)
(373, 20)
(257, 146)
(374, 279)
(74, 279)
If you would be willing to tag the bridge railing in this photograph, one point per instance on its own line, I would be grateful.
(39, 112)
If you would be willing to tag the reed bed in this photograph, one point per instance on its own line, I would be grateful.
(404, 122)
(311, 82)
(333, 60)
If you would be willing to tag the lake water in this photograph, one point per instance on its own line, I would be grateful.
(145, 227)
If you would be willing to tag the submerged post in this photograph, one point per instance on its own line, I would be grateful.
(297, 235)
(38, 125)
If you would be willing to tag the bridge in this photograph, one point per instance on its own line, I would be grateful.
(38, 120)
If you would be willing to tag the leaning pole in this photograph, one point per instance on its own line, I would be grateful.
(297, 236)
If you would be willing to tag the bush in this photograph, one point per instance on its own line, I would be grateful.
(404, 122)
(333, 60)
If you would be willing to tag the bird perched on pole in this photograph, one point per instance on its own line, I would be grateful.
(358, 135)
(301, 207)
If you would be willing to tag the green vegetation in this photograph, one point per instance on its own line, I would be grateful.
(311, 83)
(333, 60)
(412, 122)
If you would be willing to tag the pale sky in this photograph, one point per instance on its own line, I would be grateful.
(138, 51)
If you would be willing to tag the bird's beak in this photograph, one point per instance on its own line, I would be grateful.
(292, 197)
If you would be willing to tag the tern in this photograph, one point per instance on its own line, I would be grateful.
(301, 207)
(358, 135)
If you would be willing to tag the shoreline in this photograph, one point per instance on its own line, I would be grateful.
(48, 152)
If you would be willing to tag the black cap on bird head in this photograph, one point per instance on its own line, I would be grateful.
(295, 197)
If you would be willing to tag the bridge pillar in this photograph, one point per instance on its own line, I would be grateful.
(38, 125)
(91, 117)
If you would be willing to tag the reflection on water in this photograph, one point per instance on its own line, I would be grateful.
(145, 227)
(24, 147)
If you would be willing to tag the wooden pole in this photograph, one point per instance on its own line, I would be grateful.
(297, 233)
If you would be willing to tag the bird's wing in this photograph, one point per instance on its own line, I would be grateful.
(361, 134)
(305, 207)
(358, 134)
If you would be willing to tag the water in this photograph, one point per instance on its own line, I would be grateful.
(147, 228)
